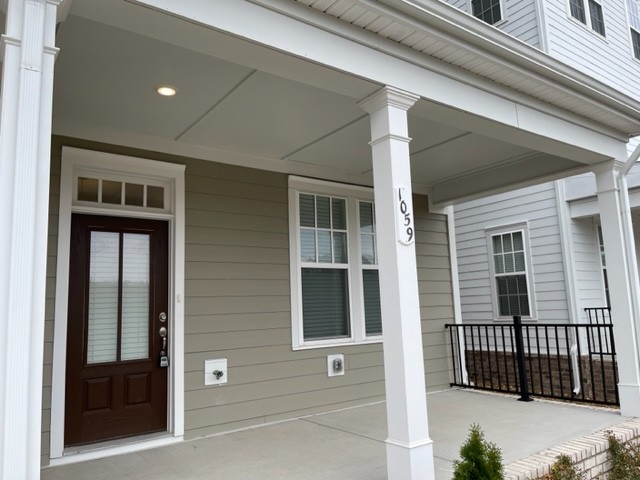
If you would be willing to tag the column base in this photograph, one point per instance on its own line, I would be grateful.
(629, 400)
(410, 461)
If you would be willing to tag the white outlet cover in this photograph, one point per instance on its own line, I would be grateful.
(211, 366)
(331, 372)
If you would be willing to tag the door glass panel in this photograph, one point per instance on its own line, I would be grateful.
(135, 296)
(103, 298)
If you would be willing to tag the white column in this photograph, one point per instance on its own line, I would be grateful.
(409, 448)
(25, 137)
(625, 327)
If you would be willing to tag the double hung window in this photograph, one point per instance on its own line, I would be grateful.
(489, 11)
(510, 273)
(335, 294)
(590, 14)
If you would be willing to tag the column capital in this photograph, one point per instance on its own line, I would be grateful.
(388, 96)
(607, 174)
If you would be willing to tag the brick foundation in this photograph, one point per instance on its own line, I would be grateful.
(589, 454)
(548, 376)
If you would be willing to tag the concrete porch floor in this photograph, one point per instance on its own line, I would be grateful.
(349, 444)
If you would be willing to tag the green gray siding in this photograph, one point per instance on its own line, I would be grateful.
(237, 304)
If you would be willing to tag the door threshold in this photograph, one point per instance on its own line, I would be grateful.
(111, 448)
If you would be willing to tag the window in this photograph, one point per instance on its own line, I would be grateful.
(633, 8)
(510, 273)
(334, 266)
(489, 11)
(595, 17)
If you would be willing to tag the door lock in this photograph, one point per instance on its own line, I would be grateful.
(164, 358)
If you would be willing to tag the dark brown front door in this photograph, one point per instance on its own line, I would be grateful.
(118, 298)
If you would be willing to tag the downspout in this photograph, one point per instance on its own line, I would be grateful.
(455, 287)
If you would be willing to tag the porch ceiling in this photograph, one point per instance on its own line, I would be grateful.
(244, 103)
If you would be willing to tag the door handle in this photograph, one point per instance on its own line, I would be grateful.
(164, 358)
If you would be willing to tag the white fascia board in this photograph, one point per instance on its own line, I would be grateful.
(364, 58)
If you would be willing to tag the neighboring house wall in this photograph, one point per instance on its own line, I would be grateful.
(520, 18)
(608, 59)
(237, 303)
(537, 207)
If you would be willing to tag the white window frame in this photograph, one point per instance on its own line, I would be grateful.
(503, 13)
(587, 11)
(490, 233)
(87, 163)
(353, 195)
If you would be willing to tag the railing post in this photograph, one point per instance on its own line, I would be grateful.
(522, 372)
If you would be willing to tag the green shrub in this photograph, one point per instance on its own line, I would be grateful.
(479, 459)
(564, 469)
(625, 459)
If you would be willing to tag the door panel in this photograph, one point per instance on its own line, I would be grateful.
(118, 287)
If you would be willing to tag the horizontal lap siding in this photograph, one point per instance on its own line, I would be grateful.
(436, 295)
(237, 304)
(238, 307)
(535, 205)
(586, 255)
(609, 59)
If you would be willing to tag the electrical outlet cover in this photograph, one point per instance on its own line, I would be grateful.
(335, 365)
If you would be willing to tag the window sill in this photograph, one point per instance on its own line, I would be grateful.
(333, 344)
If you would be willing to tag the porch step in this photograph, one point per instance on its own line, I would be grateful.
(589, 453)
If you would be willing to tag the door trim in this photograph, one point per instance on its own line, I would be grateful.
(77, 162)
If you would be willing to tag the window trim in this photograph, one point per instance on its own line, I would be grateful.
(501, 230)
(587, 24)
(353, 195)
(503, 14)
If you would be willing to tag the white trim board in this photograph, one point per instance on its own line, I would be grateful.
(75, 160)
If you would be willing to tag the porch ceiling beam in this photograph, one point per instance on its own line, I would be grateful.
(360, 54)
(501, 178)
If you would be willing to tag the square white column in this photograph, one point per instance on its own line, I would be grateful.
(409, 448)
(25, 139)
(625, 326)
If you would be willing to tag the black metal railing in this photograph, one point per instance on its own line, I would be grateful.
(574, 362)
(599, 316)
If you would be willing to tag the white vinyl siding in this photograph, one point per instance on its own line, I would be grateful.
(588, 269)
(518, 18)
(474, 220)
(609, 60)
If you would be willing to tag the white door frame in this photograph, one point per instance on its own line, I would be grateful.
(77, 162)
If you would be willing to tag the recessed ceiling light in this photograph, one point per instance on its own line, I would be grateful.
(166, 90)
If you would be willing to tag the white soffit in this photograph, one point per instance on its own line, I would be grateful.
(444, 32)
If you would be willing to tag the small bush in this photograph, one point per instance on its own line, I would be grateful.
(480, 460)
(564, 469)
(625, 459)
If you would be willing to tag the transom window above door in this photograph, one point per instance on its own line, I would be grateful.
(121, 193)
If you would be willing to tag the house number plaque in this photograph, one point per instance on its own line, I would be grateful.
(404, 216)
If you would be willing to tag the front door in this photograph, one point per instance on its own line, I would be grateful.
(118, 299)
